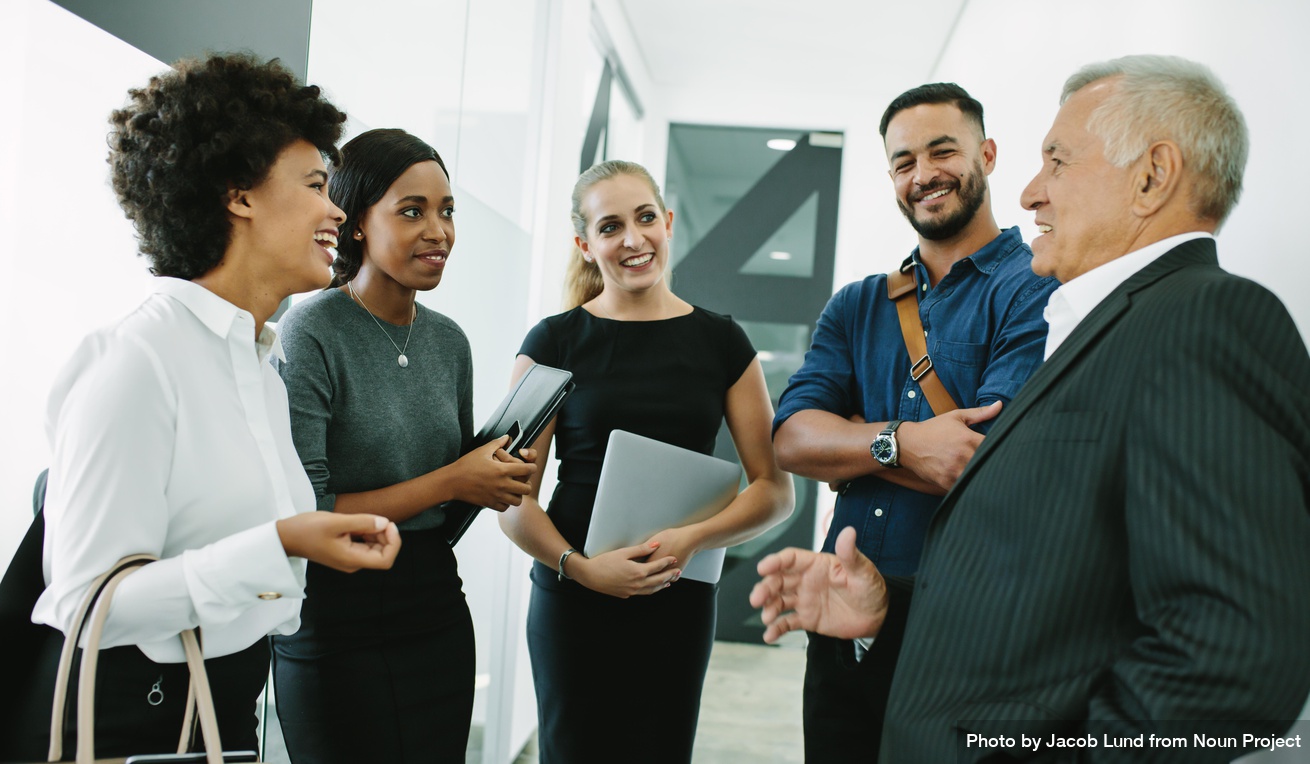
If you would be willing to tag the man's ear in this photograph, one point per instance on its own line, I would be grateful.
(989, 156)
(238, 202)
(1157, 177)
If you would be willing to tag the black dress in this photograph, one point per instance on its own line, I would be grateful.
(382, 668)
(620, 680)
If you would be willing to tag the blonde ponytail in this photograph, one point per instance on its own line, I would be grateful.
(582, 280)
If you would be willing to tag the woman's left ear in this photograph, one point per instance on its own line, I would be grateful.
(238, 203)
(668, 223)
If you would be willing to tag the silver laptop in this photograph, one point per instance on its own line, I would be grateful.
(647, 486)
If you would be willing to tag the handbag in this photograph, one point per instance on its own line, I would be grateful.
(90, 620)
(20, 588)
(531, 405)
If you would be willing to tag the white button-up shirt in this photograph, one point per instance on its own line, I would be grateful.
(1071, 303)
(171, 436)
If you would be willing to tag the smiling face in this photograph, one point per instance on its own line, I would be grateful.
(939, 163)
(627, 233)
(292, 220)
(409, 233)
(1082, 201)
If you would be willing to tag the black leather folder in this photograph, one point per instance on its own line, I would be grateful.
(531, 405)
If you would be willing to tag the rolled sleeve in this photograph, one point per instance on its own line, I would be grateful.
(826, 380)
(1017, 346)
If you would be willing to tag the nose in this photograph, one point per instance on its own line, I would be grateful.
(632, 238)
(336, 213)
(925, 171)
(435, 229)
(1034, 194)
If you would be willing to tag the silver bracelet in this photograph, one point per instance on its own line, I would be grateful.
(562, 558)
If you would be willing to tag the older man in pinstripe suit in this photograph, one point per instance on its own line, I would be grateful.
(1125, 562)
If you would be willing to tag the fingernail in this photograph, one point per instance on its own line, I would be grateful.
(380, 522)
(667, 585)
(654, 544)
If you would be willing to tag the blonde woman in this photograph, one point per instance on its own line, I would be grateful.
(619, 644)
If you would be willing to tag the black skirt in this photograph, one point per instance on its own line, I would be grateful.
(382, 668)
(618, 680)
(129, 718)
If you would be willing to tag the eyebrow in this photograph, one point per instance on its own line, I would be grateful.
(1053, 147)
(420, 199)
(322, 174)
(639, 208)
(934, 143)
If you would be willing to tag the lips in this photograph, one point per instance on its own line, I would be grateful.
(637, 261)
(933, 195)
(326, 239)
(435, 258)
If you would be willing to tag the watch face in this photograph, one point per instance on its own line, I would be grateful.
(882, 449)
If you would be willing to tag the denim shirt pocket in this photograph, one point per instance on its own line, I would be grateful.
(960, 366)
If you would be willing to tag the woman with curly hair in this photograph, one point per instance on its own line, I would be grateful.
(381, 392)
(170, 429)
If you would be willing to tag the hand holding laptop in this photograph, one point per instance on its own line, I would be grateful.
(651, 491)
(625, 572)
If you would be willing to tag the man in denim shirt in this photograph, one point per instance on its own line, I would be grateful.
(981, 309)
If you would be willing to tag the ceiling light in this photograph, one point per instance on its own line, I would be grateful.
(779, 255)
(781, 144)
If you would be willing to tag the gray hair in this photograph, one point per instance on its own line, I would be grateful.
(1167, 97)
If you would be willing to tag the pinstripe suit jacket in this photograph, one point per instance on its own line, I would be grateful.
(1131, 542)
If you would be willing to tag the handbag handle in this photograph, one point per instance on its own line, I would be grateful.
(93, 611)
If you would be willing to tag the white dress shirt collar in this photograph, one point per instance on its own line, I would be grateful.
(1072, 302)
(218, 314)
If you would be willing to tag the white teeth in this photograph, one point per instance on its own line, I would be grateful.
(638, 261)
(1043, 229)
(936, 194)
(328, 240)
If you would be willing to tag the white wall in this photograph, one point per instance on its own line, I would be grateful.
(68, 262)
(1256, 48)
(1014, 55)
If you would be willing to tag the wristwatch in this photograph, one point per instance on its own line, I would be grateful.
(884, 448)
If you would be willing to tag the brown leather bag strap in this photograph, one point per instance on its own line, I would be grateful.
(900, 289)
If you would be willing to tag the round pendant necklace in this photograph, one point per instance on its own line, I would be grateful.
(401, 358)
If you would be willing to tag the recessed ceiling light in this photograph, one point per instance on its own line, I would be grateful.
(780, 255)
(781, 144)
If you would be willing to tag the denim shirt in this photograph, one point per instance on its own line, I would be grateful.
(985, 335)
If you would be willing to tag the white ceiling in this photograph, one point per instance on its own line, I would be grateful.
(820, 46)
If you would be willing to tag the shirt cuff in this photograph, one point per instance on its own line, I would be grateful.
(228, 577)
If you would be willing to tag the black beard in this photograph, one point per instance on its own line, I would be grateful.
(971, 192)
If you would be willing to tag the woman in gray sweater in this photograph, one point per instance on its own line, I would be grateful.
(381, 411)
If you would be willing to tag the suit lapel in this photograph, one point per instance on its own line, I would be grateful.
(1084, 336)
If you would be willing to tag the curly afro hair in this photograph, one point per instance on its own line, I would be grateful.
(194, 132)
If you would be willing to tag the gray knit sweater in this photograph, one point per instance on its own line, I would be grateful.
(359, 420)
